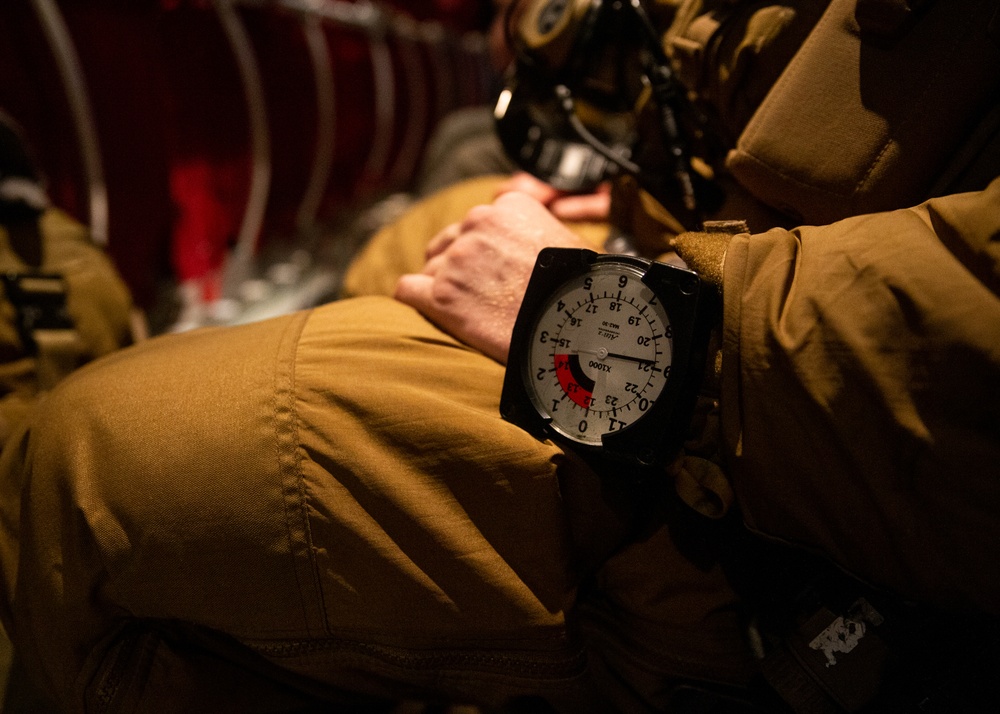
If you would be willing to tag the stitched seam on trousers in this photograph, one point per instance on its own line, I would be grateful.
(289, 465)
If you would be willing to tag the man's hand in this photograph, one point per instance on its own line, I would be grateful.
(566, 206)
(477, 270)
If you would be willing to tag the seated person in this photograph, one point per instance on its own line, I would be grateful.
(328, 509)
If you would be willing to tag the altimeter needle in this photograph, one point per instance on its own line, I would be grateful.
(603, 353)
(640, 360)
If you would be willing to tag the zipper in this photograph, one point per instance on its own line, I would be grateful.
(128, 659)
(564, 667)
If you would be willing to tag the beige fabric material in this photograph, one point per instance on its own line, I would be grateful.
(731, 54)
(373, 470)
(330, 499)
(59, 353)
(860, 123)
(97, 300)
(861, 363)
(335, 490)
(400, 247)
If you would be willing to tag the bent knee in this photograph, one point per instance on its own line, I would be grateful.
(165, 461)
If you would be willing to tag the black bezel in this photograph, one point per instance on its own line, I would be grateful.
(657, 436)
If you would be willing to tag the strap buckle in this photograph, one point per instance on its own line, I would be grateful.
(40, 302)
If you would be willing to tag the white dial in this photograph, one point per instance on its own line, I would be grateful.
(600, 353)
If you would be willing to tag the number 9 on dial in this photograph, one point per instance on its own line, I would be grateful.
(602, 355)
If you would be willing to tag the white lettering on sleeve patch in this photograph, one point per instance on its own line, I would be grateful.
(843, 634)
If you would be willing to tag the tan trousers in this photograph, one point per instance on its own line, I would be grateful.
(329, 503)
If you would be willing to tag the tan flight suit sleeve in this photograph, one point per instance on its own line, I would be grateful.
(861, 376)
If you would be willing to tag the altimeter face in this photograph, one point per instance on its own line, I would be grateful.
(600, 353)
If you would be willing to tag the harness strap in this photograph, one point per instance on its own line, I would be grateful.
(44, 325)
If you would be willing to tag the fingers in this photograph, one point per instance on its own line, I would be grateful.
(434, 264)
(568, 207)
(415, 290)
(519, 202)
(585, 207)
(523, 182)
(439, 243)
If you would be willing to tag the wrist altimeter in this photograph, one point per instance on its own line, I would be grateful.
(607, 356)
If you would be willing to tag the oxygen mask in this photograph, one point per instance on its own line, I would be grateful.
(591, 96)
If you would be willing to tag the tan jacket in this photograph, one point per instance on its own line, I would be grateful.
(327, 506)
(858, 354)
(860, 372)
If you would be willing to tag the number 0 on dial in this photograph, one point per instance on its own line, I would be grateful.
(600, 353)
(607, 354)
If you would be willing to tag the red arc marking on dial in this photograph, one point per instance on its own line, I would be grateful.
(574, 382)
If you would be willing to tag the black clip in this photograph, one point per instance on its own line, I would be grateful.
(40, 301)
